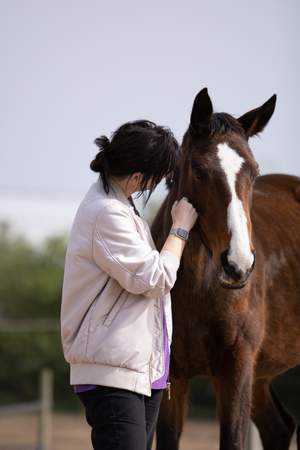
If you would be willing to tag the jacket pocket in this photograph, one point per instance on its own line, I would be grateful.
(93, 305)
(79, 344)
(117, 305)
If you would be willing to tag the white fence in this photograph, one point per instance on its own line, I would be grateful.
(43, 406)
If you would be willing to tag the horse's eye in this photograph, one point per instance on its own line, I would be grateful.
(252, 172)
(255, 174)
(252, 176)
(201, 174)
(199, 171)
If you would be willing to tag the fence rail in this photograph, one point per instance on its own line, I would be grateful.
(43, 406)
(39, 325)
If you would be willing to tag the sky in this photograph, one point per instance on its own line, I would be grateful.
(73, 70)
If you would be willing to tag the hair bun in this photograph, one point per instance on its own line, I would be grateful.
(103, 143)
(100, 163)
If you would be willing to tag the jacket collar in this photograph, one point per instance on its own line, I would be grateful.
(119, 193)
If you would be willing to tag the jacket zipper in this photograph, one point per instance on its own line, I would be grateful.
(168, 387)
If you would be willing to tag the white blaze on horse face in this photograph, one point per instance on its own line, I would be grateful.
(239, 255)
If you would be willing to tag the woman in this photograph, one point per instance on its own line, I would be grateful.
(116, 322)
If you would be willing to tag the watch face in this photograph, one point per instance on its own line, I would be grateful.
(182, 233)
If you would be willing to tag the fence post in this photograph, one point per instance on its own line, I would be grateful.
(254, 442)
(46, 400)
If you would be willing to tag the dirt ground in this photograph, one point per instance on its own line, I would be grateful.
(71, 432)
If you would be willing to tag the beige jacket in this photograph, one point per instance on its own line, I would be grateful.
(115, 285)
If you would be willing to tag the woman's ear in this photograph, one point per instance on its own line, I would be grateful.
(135, 181)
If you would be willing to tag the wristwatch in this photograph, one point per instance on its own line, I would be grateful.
(180, 232)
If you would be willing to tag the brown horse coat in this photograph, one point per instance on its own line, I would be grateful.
(240, 337)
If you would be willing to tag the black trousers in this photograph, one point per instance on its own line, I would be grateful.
(121, 419)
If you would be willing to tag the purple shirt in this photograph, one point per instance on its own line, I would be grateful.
(161, 383)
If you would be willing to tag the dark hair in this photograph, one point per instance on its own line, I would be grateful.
(137, 146)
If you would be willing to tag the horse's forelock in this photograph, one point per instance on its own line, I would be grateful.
(222, 123)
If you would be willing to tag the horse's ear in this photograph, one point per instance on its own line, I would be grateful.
(201, 112)
(254, 121)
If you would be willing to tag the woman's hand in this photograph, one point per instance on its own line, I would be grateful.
(183, 214)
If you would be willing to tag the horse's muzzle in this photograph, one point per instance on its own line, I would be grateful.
(232, 278)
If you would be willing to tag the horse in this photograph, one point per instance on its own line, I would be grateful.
(236, 299)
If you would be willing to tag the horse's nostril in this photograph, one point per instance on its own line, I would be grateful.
(254, 259)
(224, 259)
(229, 269)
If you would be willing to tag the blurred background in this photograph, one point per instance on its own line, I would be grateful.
(73, 70)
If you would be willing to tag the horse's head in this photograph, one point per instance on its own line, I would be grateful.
(217, 175)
